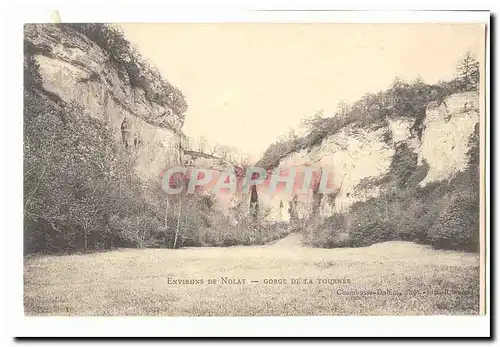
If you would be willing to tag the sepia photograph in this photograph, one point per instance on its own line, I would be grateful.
(254, 169)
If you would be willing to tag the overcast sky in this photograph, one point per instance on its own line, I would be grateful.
(246, 84)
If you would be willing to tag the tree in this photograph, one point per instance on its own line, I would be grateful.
(187, 143)
(202, 144)
(343, 109)
(222, 151)
(468, 72)
(314, 122)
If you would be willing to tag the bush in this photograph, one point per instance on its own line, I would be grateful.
(368, 232)
(458, 224)
(329, 234)
(415, 220)
(246, 231)
(403, 165)
(364, 225)
(138, 230)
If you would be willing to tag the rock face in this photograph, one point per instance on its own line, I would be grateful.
(361, 157)
(447, 127)
(77, 70)
(226, 201)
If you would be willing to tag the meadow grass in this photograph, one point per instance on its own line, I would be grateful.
(136, 281)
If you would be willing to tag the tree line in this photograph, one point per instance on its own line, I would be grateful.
(402, 99)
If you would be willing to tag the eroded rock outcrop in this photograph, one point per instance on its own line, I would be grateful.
(447, 128)
(78, 70)
(360, 157)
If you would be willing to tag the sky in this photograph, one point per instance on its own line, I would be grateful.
(246, 84)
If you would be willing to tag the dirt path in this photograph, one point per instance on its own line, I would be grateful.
(293, 240)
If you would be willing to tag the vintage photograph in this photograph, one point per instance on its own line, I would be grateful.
(254, 169)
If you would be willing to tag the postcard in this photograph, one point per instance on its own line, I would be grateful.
(236, 169)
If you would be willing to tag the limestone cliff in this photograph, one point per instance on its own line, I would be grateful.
(361, 157)
(78, 70)
(447, 126)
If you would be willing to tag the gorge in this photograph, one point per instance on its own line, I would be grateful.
(408, 138)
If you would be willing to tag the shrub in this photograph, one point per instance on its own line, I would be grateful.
(137, 230)
(415, 220)
(403, 164)
(225, 231)
(365, 233)
(329, 234)
(364, 225)
(458, 224)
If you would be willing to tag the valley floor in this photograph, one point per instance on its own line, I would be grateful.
(393, 278)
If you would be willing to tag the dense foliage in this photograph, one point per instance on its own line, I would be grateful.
(401, 100)
(135, 68)
(81, 192)
(443, 214)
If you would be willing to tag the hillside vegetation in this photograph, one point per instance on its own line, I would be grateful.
(444, 214)
(80, 189)
(82, 194)
(402, 100)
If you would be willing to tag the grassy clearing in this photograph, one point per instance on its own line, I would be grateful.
(135, 282)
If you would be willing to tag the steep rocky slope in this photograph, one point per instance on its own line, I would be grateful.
(361, 157)
(78, 70)
(447, 127)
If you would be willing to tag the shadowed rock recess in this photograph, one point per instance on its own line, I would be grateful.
(101, 125)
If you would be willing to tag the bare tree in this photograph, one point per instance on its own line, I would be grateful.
(222, 151)
(178, 223)
(202, 144)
